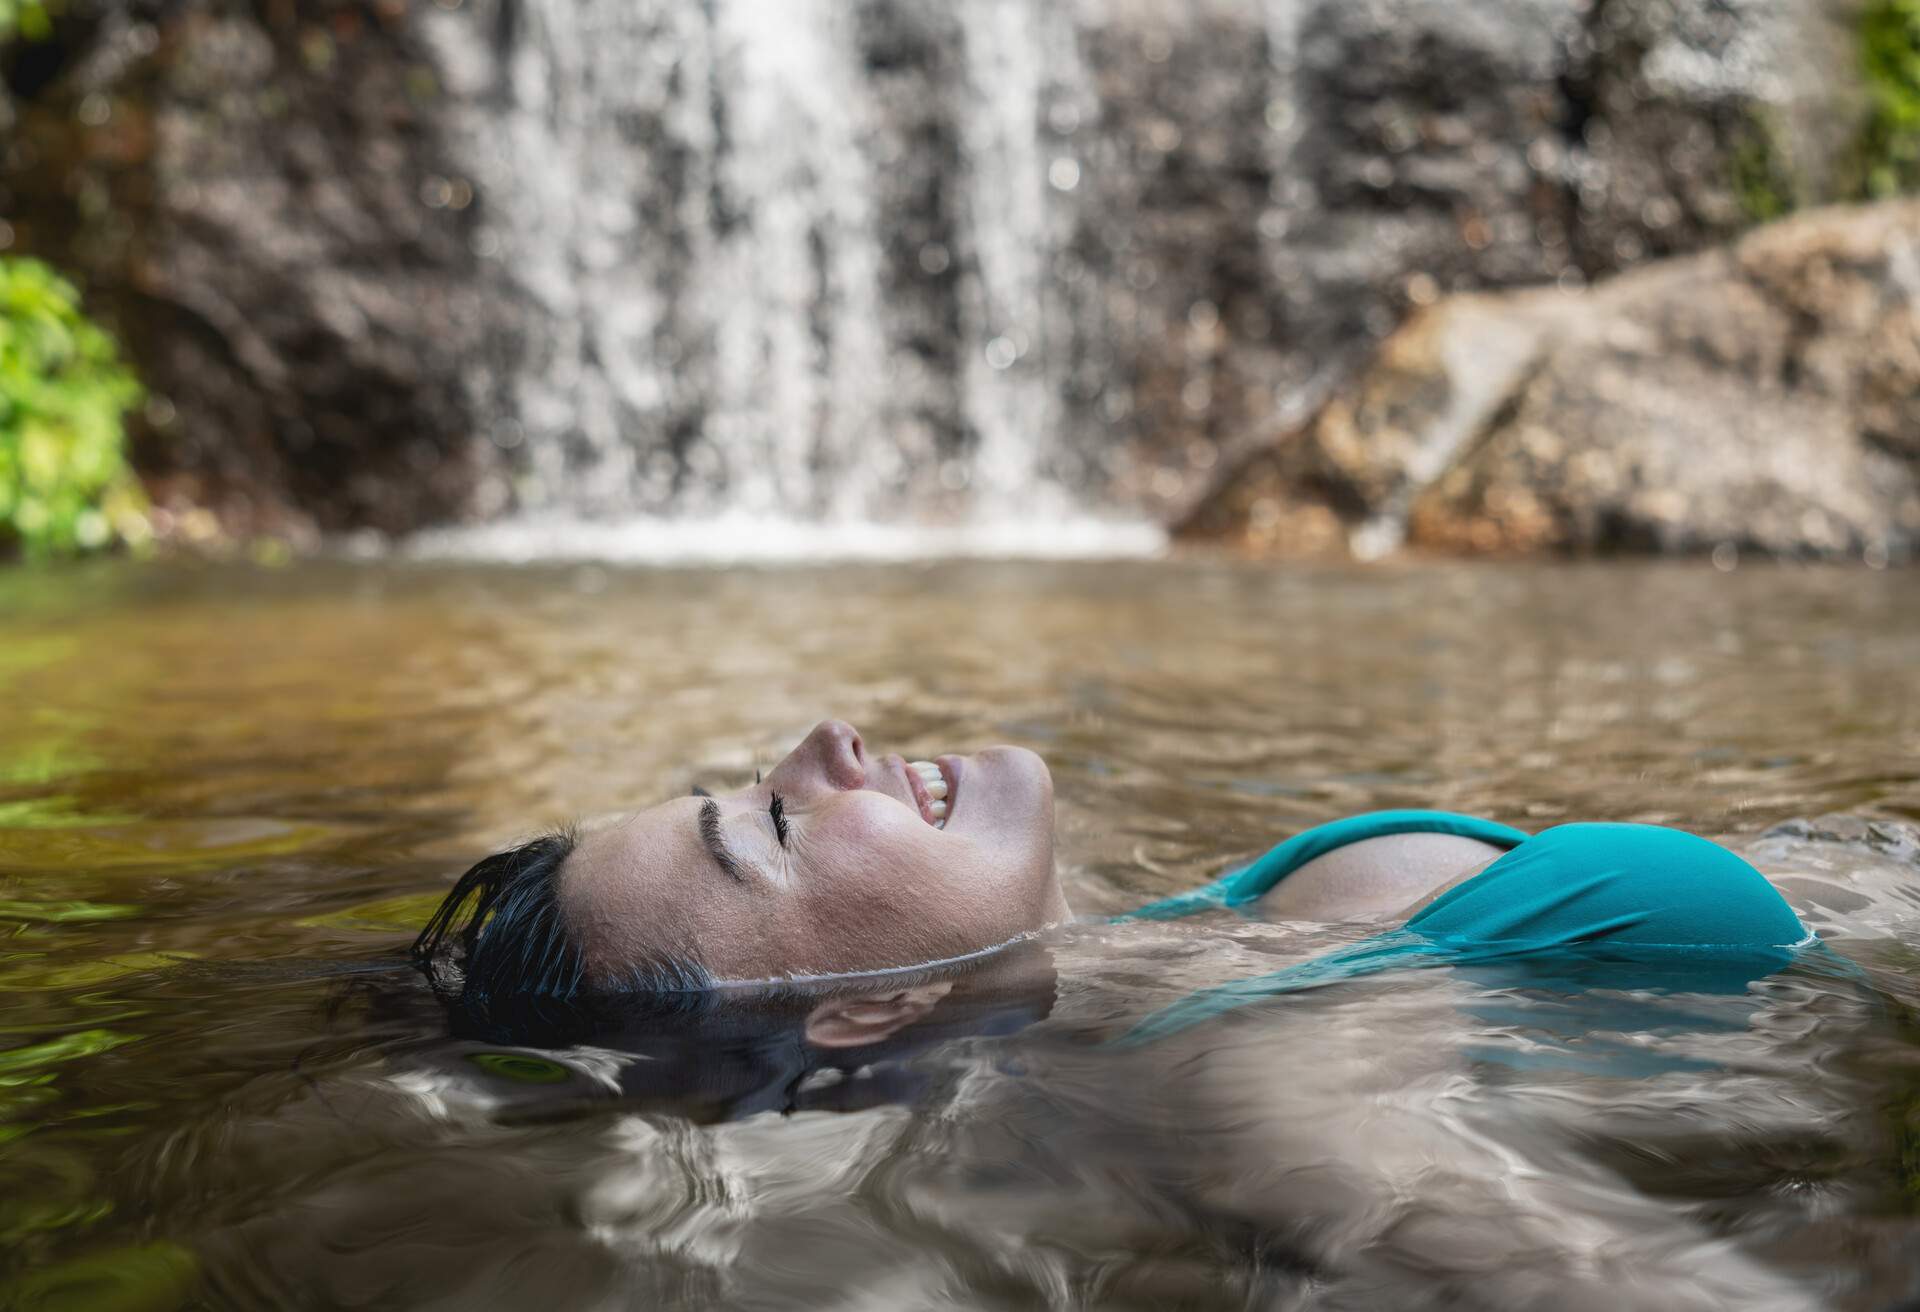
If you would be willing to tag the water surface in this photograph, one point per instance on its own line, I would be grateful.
(227, 797)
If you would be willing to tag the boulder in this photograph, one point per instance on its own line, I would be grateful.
(1764, 396)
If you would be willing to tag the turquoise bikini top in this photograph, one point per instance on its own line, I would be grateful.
(1653, 907)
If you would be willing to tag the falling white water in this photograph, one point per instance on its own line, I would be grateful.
(679, 211)
(795, 311)
(683, 212)
(1017, 220)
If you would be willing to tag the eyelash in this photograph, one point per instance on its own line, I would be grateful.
(779, 813)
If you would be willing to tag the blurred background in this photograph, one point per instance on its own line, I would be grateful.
(647, 278)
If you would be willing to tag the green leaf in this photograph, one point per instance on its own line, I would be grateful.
(81, 1043)
(65, 485)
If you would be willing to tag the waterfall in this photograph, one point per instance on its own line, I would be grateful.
(1000, 268)
(1017, 222)
(831, 267)
(777, 261)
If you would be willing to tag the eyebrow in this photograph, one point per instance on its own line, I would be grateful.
(715, 843)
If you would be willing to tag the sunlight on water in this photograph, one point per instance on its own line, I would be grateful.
(227, 797)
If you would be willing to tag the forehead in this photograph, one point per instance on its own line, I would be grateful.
(641, 885)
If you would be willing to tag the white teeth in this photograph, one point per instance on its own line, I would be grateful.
(936, 786)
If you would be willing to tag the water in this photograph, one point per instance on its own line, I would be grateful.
(227, 796)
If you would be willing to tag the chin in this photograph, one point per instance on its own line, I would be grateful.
(1023, 772)
(1014, 789)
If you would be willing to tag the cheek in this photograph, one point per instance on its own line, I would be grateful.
(878, 853)
(884, 879)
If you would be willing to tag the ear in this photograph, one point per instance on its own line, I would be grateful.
(853, 1022)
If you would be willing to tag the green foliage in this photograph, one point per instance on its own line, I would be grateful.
(32, 19)
(1884, 158)
(1890, 56)
(64, 481)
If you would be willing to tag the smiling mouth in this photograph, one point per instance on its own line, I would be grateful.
(934, 792)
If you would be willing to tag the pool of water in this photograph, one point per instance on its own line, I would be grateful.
(228, 796)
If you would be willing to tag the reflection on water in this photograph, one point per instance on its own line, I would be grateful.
(226, 798)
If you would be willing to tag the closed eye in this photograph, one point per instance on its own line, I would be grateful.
(778, 810)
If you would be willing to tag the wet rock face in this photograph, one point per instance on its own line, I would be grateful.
(1759, 398)
(389, 263)
(253, 201)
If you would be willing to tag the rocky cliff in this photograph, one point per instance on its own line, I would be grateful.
(392, 262)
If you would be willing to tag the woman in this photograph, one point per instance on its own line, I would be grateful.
(846, 903)
(839, 864)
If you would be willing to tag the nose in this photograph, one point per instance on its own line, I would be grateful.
(831, 755)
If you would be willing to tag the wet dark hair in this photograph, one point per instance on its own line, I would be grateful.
(499, 953)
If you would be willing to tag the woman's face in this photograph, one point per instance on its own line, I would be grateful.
(856, 874)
